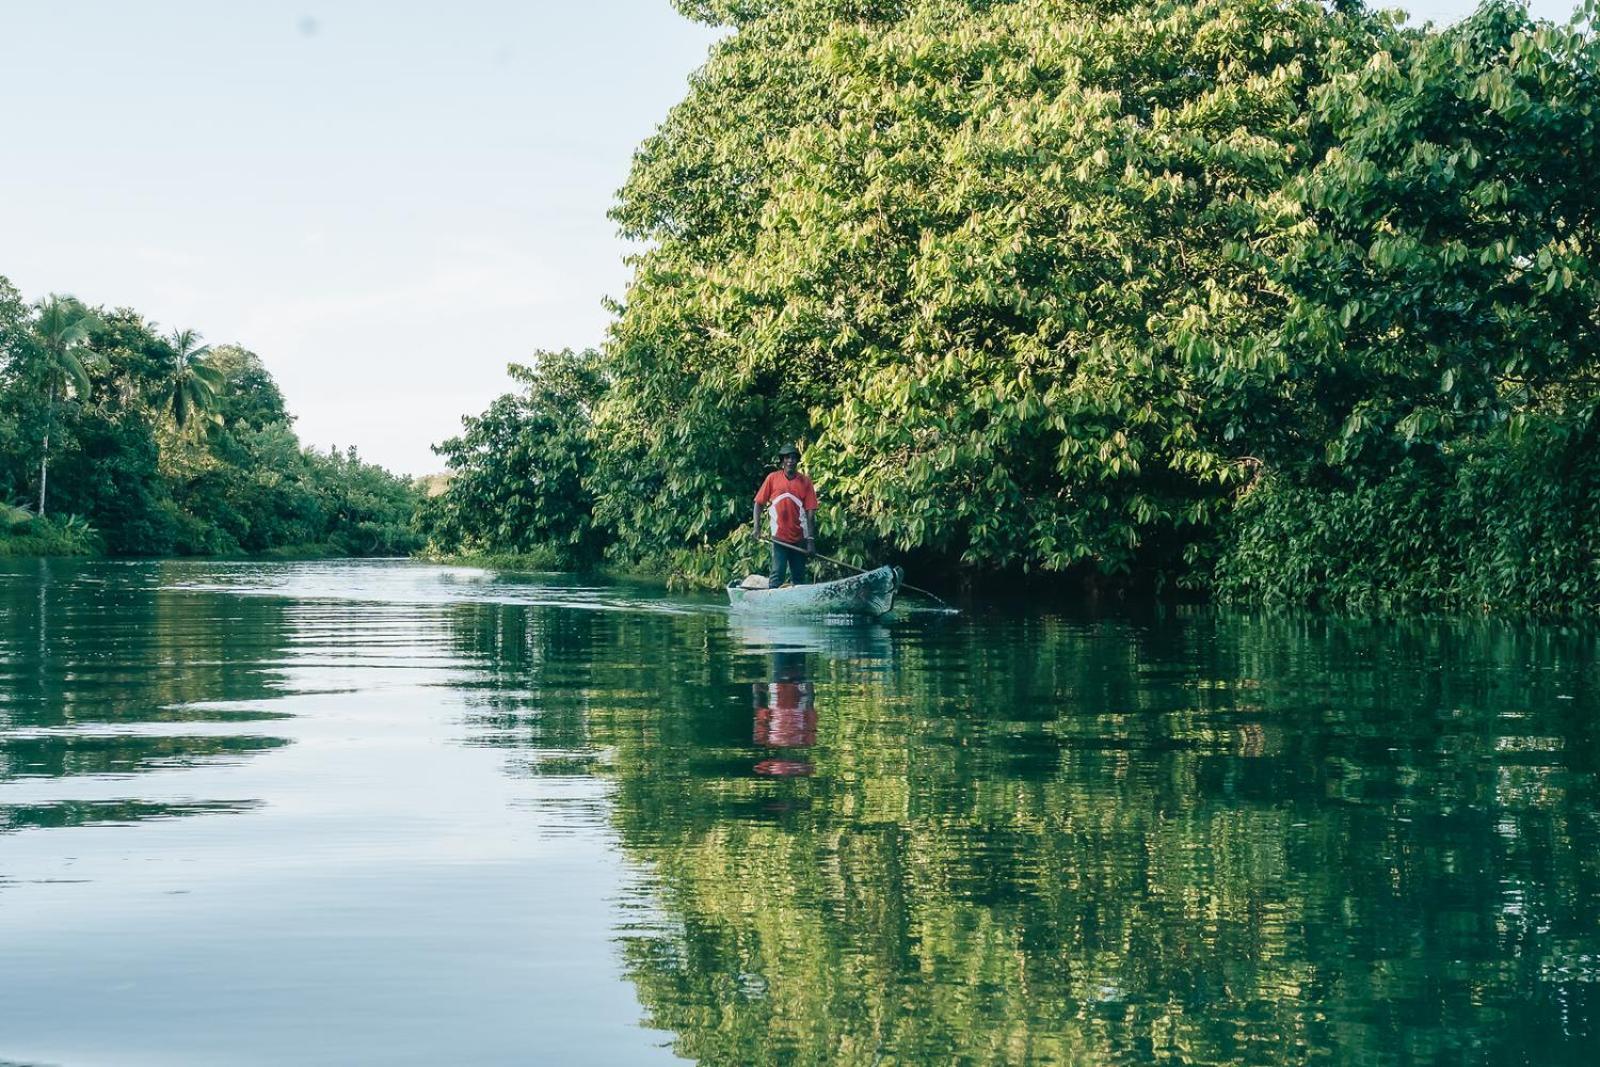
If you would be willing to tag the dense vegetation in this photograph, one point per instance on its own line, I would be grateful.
(519, 468)
(1104, 286)
(117, 438)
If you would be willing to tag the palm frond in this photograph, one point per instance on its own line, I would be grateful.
(62, 327)
(186, 344)
(14, 515)
(213, 377)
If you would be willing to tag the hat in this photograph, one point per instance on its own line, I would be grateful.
(788, 450)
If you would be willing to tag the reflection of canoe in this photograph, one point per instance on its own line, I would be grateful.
(840, 637)
(870, 594)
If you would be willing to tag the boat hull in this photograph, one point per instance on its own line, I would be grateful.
(869, 595)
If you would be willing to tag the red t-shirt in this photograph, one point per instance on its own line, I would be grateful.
(788, 498)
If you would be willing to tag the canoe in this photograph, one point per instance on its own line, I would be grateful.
(870, 594)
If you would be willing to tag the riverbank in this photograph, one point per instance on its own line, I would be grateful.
(56, 545)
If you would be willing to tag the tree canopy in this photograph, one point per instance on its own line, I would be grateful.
(1060, 284)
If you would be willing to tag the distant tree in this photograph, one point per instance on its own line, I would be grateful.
(250, 397)
(520, 474)
(61, 330)
(193, 385)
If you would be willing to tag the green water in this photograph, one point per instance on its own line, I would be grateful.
(392, 813)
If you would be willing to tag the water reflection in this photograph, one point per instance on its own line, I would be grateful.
(108, 677)
(1194, 837)
(785, 717)
(1203, 837)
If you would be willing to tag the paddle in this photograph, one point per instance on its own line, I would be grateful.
(852, 567)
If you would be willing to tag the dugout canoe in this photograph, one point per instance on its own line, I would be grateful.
(870, 594)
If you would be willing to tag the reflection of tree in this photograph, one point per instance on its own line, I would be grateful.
(1201, 838)
(71, 755)
(55, 816)
(108, 674)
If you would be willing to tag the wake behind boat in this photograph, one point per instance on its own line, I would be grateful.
(868, 594)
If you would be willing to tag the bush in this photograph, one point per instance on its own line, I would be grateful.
(24, 534)
(1510, 522)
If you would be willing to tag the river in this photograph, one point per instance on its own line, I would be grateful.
(386, 812)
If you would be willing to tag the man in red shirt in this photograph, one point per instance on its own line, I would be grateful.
(791, 501)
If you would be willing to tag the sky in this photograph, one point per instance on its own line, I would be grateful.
(388, 200)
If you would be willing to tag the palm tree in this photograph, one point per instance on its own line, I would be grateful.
(194, 385)
(60, 332)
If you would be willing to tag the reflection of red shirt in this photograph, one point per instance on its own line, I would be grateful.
(789, 499)
(789, 718)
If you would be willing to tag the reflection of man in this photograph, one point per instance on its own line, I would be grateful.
(786, 716)
(791, 502)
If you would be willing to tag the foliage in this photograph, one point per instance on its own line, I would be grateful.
(1448, 281)
(165, 446)
(1437, 408)
(22, 533)
(193, 385)
(972, 251)
(1507, 521)
(521, 473)
(249, 397)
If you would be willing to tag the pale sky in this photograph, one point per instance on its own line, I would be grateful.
(387, 200)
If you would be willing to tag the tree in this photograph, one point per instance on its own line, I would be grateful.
(13, 325)
(250, 397)
(193, 385)
(1447, 283)
(16, 335)
(61, 330)
(987, 258)
(1429, 435)
(521, 473)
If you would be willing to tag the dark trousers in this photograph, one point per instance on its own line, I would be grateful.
(787, 561)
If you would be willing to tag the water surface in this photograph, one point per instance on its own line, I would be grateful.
(387, 812)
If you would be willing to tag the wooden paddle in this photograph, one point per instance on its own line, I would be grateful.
(852, 567)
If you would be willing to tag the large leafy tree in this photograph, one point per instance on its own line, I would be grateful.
(1448, 282)
(1431, 434)
(988, 257)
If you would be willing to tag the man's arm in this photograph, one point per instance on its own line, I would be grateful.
(811, 530)
(755, 519)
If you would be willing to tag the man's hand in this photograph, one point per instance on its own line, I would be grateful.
(811, 546)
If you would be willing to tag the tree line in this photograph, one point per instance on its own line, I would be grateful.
(119, 437)
(1276, 299)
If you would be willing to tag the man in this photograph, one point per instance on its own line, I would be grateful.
(791, 501)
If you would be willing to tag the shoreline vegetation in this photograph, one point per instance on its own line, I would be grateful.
(118, 438)
(1259, 300)
(1273, 302)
